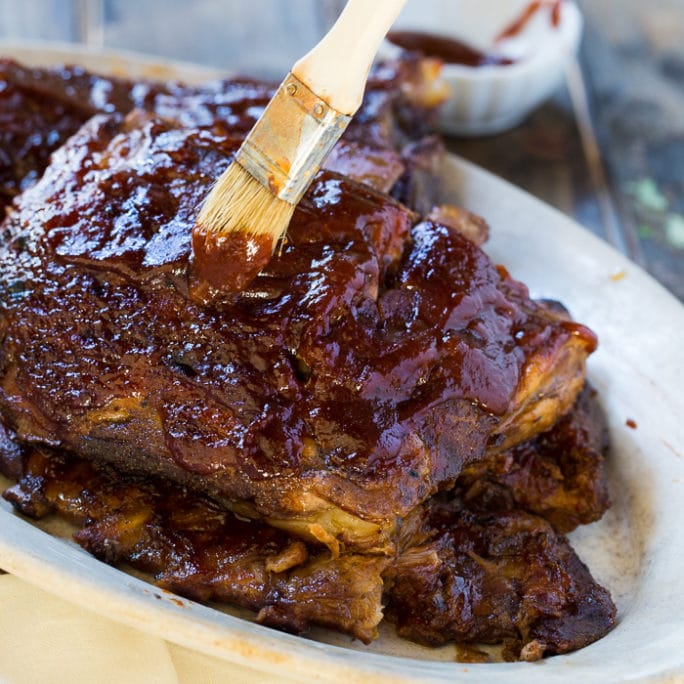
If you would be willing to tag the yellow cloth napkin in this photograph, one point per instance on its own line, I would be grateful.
(46, 639)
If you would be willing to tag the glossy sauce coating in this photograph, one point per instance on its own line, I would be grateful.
(360, 371)
(40, 108)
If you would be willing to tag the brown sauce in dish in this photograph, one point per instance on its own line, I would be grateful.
(449, 50)
(454, 51)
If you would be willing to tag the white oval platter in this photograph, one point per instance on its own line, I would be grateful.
(637, 550)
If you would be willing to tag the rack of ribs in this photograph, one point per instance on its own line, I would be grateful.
(381, 371)
(359, 373)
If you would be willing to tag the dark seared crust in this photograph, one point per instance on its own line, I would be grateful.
(493, 578)
(560, 475)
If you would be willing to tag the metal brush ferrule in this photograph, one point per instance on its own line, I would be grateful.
(291, 140)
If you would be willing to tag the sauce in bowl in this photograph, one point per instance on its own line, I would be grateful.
(448, 50)
(451, 50)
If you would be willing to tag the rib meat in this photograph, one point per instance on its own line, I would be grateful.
(384, 409)
(198, 550)
(486, 563)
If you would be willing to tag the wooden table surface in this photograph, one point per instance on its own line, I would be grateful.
(608, 148)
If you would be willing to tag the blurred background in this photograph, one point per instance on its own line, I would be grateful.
(607, 148)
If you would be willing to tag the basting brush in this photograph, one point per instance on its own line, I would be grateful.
(246, 214)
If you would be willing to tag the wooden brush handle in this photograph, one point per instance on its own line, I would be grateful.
(337, 68)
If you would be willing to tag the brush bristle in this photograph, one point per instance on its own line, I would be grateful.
(239, 203)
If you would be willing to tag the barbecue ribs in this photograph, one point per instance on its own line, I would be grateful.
(353, 379)
(559, 475)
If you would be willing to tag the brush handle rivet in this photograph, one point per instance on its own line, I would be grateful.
(318, 110)
(292, 88)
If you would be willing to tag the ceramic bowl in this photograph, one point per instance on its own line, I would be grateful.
(488, 99)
